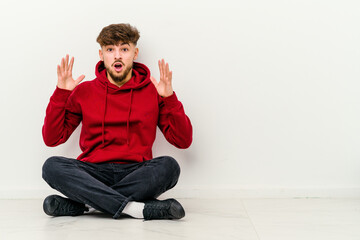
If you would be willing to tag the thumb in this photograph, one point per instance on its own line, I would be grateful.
(153, 80)
(79, 79)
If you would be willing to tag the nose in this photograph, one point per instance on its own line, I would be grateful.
(118, 54)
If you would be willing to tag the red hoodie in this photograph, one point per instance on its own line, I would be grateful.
(118, 124)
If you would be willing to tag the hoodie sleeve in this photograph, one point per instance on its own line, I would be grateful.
(61, 118)
(174, 123)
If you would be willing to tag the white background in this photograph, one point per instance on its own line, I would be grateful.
(271, 88)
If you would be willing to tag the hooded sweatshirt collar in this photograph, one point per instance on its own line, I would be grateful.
(140, 78)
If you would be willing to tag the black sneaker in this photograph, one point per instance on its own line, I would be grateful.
(165, 209)
(55, 205)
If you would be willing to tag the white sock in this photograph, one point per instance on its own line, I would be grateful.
(91, 209)
(134, 209)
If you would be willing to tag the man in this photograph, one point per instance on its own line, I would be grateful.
(119, 110)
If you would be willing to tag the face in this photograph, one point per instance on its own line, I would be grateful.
(118, 61)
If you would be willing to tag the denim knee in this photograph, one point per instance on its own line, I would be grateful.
(50, 168)
(169, 172)
(171, 166)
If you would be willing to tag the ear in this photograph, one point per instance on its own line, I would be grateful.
(136, 53)
(101, 55)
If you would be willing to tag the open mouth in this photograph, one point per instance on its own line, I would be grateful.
(118, 66)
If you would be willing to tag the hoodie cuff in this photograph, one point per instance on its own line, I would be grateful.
(171, 101)
(60, 95)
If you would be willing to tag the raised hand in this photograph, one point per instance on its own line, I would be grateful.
(164, 87)
(64, 72)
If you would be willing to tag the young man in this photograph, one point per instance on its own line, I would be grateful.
(119, 110)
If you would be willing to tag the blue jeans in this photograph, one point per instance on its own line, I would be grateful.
(108, 187)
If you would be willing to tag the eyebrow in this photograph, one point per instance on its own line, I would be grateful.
(122, 44)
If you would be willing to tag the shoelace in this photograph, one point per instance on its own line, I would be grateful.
(157, 211)
(67, 207)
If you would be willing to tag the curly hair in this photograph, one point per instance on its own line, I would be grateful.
(115, 33)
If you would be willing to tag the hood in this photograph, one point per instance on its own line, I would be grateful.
(140, 78)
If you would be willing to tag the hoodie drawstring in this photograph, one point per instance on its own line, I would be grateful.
(103, 121)
(128, 120)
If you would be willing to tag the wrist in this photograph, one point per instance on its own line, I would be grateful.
(167, 94)
(61, 86)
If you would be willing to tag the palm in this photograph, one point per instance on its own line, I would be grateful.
(64, 72)
(164, 86)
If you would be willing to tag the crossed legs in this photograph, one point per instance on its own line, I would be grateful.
(108, 187)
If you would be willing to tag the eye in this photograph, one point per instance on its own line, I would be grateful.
(109, 49)
(125, 49)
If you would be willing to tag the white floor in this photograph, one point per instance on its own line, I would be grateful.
(261, 219)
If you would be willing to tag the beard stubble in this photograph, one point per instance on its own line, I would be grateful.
(119, 78)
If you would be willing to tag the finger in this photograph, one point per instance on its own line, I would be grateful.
(162, 71)
(71, 64)
(167, 70)
(62, 66)
(58, 71)
(159, 63)
(67, 62)
(79, 79)
(170, 77)
(163, 66)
